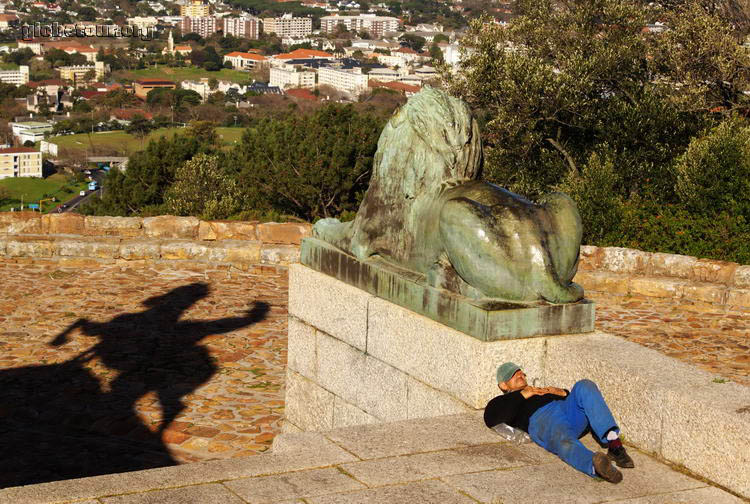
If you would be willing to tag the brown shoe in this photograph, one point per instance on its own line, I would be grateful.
(605, 469)
(620, 457)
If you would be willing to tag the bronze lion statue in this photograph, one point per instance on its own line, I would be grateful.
(427, 210)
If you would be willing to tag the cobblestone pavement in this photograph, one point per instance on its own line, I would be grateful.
(92, 360)
(182, 336)
(713, 338)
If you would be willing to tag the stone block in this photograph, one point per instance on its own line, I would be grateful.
(624, 261)
(707, 293)
(30, 246)
(126, 227)
(590, 258)
(742, 277)
(671, 265)
(409, 436)
(710, 270)
(183, 250)
(346, 415)
(227, 230)
(290, 233)
(559, 483)
(82, 246)
(299, 441)
(139, 249)
(628, 376)
(694, 496)
(279, 254)
(738, 297)
(657, 287)
(706, 429)
(63, 223)
(169, 226)
(423, 492)
(3, 245)
(446, 359)
(604, 281)
(361, 380)
(14, 223)
(214, 493)
(236, 253)
(302, 484)
(424, 401)
(422, 466)
(301, 349)
(308, 406)
(345, 319)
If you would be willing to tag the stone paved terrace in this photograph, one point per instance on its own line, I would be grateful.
(225, 384)
(447, 460)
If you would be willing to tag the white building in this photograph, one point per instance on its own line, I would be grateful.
(20, 162)
(349, 81)
(288, 26)
(292, 78)
(143, 23)
(244, 61)
(17, 77)
(244, 27)
(201, 87)
(374, 25)
(33, 130)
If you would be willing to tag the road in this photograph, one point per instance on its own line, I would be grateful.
(70, 205)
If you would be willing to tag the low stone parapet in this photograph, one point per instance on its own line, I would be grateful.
(71, 235)
(625, 272)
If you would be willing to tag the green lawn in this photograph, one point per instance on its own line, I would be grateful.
(121, 143)
(179, 74)
(8, 66)
(34, 189)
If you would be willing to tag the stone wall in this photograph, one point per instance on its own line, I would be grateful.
(71, 236)
(634, 272)
(354, 358)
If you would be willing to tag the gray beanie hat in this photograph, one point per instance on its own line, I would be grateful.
(506, 371)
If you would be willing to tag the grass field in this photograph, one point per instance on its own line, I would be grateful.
(34, 189)
(121, 143)
(8, 66)
(179, 74)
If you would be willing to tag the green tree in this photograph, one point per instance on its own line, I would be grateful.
(413, 41)
(307, 166)
(203, 189)
(139, 127)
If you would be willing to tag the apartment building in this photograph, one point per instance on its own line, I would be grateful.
(243, 60)
(20, 162)
(351, 81)
(203, 26)
(195, 8)
(288, 26)
(248, 27)
(80, 74)
(16, 77)
(292, 78)
(30, 130)
(374, 25)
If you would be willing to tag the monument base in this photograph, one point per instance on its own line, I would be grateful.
(484, 319)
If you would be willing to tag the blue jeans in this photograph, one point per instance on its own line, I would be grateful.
(557, 426)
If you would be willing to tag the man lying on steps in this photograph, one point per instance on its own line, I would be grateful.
(555, 418)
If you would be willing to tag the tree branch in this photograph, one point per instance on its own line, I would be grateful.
(562, 151)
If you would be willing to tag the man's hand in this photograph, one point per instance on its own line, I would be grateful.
(532, 391)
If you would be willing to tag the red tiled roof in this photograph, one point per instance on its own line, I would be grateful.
(397, 86)
(302, 93)
(407, 50)
(90, 94)
(45, 82)
(244, 55)
(8, 17)
(17, 150)
(303, 54)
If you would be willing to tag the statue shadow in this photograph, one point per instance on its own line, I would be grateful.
(59, 421)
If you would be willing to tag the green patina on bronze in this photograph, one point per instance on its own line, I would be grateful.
(426, 212)
(485, 319)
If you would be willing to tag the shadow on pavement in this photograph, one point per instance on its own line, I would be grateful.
(57, 422)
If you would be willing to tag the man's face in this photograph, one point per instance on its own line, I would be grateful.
(516, 382)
